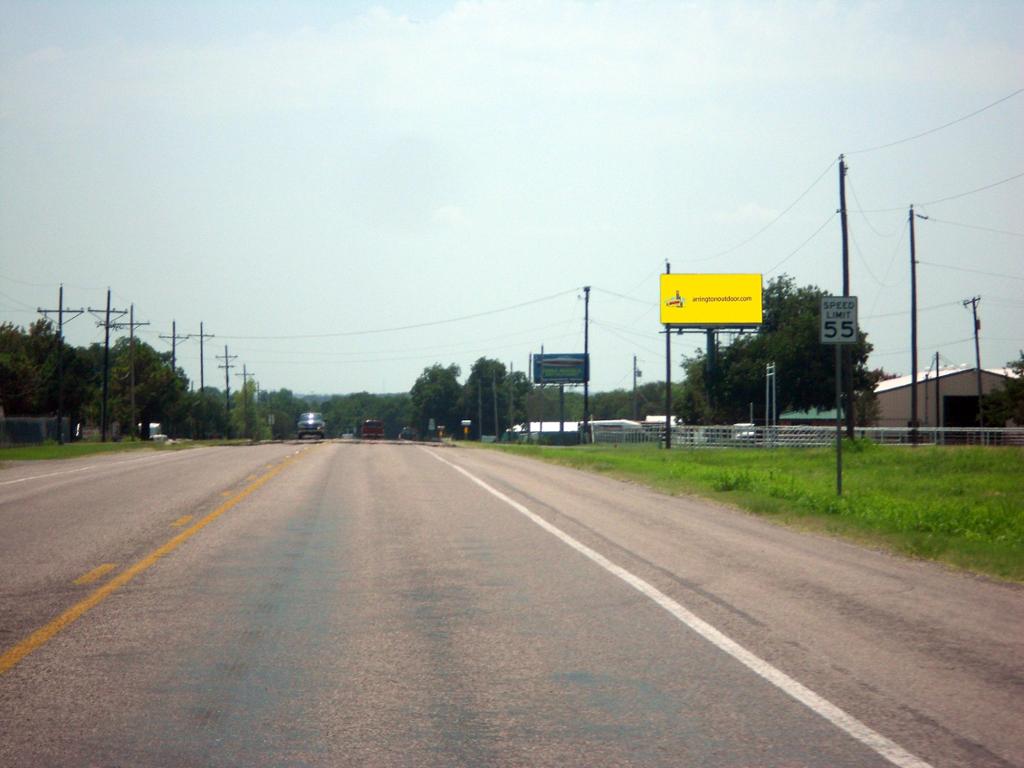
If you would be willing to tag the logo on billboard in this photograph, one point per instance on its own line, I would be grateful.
(676, 301)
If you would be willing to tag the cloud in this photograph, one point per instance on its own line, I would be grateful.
(509, 56)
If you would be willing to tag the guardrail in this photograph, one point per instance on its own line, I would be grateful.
(805, 436)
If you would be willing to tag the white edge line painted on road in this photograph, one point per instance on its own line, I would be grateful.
(887, 748)
(88, 467)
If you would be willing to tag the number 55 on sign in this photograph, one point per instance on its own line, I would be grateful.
(838, 319)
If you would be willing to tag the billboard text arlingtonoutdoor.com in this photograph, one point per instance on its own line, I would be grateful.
(706, 301)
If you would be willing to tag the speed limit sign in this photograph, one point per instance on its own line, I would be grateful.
(838, 319)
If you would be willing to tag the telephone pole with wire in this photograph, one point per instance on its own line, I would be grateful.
(977, 353)
(202, 357)
(131, 325)
(227, 366)
(636, 375)
(913, 326)
(61, 309)
(106, 324)
(245, 398)
(174, 337)
(846, 350)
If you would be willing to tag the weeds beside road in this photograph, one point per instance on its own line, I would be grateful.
(963, 506)
(75, 450)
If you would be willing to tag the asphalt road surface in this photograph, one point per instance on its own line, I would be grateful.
(346, 604)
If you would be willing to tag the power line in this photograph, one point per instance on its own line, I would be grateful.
(975, 226)
(951, 197)
(907, 311)
(646, 302)
(889, 352)
(973, 191)
(975, 271)
(864, 262)
(937, 128)
(406, 327)
(860, 209)
(804, 243)
(763, 229)
(24, 282)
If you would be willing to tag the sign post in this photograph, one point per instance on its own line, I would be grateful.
(838, 327)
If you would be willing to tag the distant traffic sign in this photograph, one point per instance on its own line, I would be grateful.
(839, 319)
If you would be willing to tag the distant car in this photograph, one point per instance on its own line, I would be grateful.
(372, 429)
(407, 433)
(744, 431)
(311, 424)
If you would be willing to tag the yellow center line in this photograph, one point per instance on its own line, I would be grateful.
(95, 574)
(44, 634)
(181, 521)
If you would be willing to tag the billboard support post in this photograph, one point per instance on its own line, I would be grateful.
(586, 352)
(561, 408)
(668, 377)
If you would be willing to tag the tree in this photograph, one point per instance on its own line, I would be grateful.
(27, 362)
(618, 403)
(805, 368)
(1007, 403)
(483, 386)
(206, 414)
(544, 404)
(28, 373)
(285, 408)
(159, 393)
(435, 395)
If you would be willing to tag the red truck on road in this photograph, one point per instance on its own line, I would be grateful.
(372, 429)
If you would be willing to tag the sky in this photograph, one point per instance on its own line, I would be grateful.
(346, 193)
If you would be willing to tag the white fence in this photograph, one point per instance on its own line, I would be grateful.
(745, 436)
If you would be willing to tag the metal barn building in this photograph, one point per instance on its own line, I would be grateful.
(947, 400)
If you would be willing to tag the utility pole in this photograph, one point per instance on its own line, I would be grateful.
(586, 362)
(511, 402)
(913, 327)
(977, 353)
(201, 335)
(480, 405)
(245, 398)
(60, 355)
(106, 325)
(668, 376)
(227, 366)
(636, 375)
(846, 349)
(494, 397)
(174, 337)
(132, 325)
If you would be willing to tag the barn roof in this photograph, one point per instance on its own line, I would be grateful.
(929, 375)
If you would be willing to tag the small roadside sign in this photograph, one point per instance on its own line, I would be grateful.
(839, 319)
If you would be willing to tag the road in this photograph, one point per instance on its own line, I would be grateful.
(346, 604)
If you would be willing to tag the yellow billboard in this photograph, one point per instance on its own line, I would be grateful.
(707, 301)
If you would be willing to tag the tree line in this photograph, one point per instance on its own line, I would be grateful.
(715, 389)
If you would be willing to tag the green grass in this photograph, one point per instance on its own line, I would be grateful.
(961, 506)
(52, 450)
